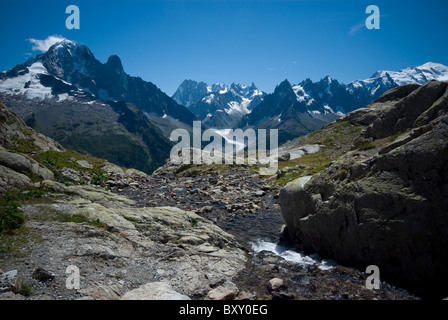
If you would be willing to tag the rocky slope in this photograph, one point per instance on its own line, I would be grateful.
(382, 200)
(116, 131)
(185, 232)
(55, 213)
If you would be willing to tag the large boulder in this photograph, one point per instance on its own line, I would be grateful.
(386, 207)
(24, 164)
(12, 179)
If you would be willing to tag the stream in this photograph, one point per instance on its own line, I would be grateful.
(242, 205)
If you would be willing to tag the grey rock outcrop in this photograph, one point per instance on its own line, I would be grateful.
(10, 281)
(17, 145)
(385, 206)
(12, 179)
(119, 247)
(24, 164)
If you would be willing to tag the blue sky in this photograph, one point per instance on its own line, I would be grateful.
(248, 41)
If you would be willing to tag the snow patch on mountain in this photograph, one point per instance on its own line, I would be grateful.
(27, 84)
(300, 93)
(238, 108)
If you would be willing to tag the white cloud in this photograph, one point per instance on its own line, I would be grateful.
(356, 28)
(361, 26)
(44, 45)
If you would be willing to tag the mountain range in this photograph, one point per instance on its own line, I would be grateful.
(91, 107)
(219, 105)
(296, 110)
(98, 109)
(69, 68)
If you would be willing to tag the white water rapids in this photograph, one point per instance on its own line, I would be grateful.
(292, 255)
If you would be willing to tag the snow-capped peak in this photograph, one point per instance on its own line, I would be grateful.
(218, 104)
(421, 74)
(327, 79)
(382, 80)
(63, 44)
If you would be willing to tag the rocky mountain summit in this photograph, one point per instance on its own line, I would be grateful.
(219, 105)
(382, 201)
(69, 69)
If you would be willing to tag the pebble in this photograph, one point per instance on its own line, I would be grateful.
(276, 284)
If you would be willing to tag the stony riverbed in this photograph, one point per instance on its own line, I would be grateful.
(239, 202)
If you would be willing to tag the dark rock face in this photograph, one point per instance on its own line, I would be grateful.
(387, 206)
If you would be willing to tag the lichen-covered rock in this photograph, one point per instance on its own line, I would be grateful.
(86, 192)
(97, 230)
(226, 291)
(154, 291)
(10, 281)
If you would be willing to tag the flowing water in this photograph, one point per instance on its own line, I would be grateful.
(292, 255)
(260, 233)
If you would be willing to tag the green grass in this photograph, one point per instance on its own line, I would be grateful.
(99, 178)
(47, 213)
(367, 146)
(12, 244)
(56, 161)
(336, 138)
(308, 160)
(335, 134)
(10, 201)
(394, 137)
(25, 290)
(25, 145)
(64, 159)
(308, 164)
(379, 142)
